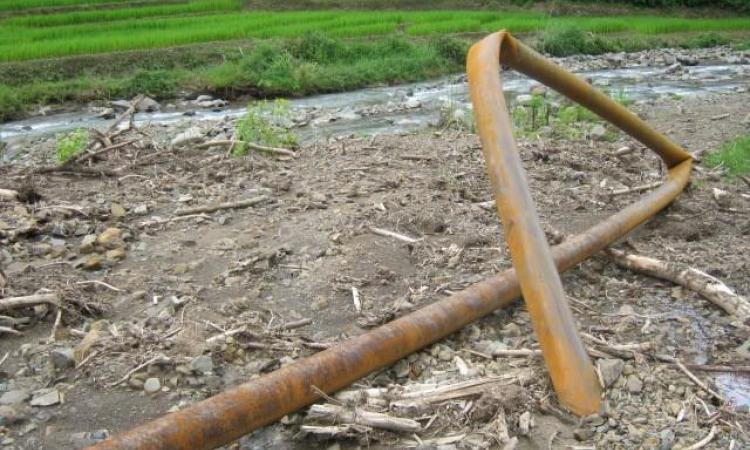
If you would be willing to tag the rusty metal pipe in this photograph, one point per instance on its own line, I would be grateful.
(227, 416)
(566, 358)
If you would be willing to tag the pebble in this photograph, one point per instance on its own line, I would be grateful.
(610, 370)
(14, 397)
(141, 210)
(634, 384)
(152, 385)
(116, 210)
(88, 438)
(87, 244)
(110, 238)
(202, 364)
(46, 397)
(93, 262)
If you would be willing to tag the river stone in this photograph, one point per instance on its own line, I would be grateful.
(634, 384)
(152, 385)
(117, 210)
(110, 238)
(147, 104)
(192, 134)
(14, 397)
(203, 98)
(62, 358)
(610, 370)
(202, 364)
(46, 397)
(412, 103)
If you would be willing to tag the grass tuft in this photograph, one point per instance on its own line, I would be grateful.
(733, 157)
(72, 144)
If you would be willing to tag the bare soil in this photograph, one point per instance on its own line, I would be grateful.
(299, 252)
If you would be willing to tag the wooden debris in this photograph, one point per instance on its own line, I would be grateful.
(232, 205)
(641, 188)
(703, 442)
(400, 237)
(356, 300)
(698, 281)
(251, 145)
(339, 414)
(29, 300)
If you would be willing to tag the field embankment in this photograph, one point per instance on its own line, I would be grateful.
(57, 55)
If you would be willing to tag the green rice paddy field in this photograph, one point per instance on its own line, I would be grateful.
(34, 31)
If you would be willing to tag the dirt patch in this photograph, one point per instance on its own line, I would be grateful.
(207, 299)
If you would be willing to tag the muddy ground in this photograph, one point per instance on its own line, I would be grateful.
(172, 288)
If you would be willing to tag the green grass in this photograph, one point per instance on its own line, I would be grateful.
(733, 157)
(102, 31)
(17, 5)
(71, 144)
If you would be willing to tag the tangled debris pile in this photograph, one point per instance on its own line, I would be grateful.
(153, 275)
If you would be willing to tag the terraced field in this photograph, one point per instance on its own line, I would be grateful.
(30, 33)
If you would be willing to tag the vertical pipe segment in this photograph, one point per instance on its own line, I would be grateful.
(568, 362)
(225, 417)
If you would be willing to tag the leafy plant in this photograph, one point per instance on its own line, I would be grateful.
(71, 144)
(263, 124)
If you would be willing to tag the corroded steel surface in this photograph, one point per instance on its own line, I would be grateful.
(225, 417)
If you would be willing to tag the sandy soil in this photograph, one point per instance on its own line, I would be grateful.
(297, 254)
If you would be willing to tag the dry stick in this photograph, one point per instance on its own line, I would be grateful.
(703, 442)
(128, 112)
(339, 414)
(55, 326)
(388, 233)
(101, 283)
(232, 205)
(715, 368)
(225, 334)
(10, 331)
(172, 219)
(292, 325)
(29, 300)
(704, 284)
(356, 300)
(252, 145)
(644, 187)
(158, 358)
(622, 151)
(86, 156)
(8, 194)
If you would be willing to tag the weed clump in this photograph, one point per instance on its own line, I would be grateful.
(566, 40)
(734, 157)
(706, 40)
(71, 144)
(263, 125)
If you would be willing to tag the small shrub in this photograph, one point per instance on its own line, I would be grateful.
(263, 125)
(155, 83)
(705, 40)
(71, 144)
(566, 40)
(452, 49)
(734, 157)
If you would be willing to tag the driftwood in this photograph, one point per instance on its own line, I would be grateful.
(339, 414)
(29, 300)
(388, 233)
(711, 288)
(251, 145)
(232, 205)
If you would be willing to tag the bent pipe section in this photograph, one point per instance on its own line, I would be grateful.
(225, 417)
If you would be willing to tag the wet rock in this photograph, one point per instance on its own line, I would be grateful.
(412, 103)
(46, 397)
(203, 364)
(62, 358)
(152, 385)
(687, 60)
(634, 384)
(189, 136)
(610, 369)
(88, 438)
(212, 104)
(106, 114)
(674, 68)
(147, 104)
(203, 98)
(14, 397)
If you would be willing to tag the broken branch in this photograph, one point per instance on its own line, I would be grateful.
(231, 205)
(29, 300)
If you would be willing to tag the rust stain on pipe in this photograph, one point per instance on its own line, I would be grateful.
(227, 416)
